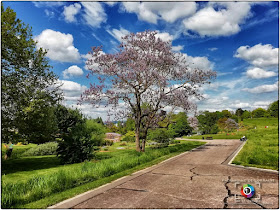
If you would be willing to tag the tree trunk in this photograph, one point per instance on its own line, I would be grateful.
(144, 140)
(137, 139)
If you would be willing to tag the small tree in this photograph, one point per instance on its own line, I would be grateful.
(273, 109)
(144, 71)
(230, 124)
(259, 112)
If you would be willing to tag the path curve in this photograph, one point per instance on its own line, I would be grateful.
(196, 179)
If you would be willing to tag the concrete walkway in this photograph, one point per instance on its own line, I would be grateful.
(197, 179)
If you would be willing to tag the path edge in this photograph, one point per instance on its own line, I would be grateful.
(71, 202)
(229, 163)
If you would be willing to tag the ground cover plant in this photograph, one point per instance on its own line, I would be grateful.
(36, 185)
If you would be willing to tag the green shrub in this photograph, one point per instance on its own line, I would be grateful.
(77, 146)
(129, 136)
(161, 135)
(48, 148)
(107, 143)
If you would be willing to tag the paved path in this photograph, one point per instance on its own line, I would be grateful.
(198, 179)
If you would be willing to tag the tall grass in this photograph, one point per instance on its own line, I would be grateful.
(37, 187)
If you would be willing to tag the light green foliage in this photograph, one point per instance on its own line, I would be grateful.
(129, 136)
(246, 114)
(97, 131)
(48, 148)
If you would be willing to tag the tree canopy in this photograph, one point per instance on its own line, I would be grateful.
(27, 83)
(144, 71)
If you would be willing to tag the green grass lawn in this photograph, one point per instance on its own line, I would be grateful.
(262, 147)
(37, 182)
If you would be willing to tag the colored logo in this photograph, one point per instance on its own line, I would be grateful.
(247, 190)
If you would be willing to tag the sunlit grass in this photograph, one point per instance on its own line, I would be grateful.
(38, 184)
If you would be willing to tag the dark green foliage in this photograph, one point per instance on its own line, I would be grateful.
(273, 109)
(25, 82)
(181, 127)
(67, 119)
(257, 113)
(77, 146)
(207, 122)
(161, 135)
(238, 112)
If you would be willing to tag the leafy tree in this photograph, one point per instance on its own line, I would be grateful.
(181, 127)
(141, 73)
(97, 131)
(226, 114)
(222, 123)
(207, 122)
(67, 119)
(246, 114)
(77, 146)
(26, 79)
(273, 109)
(99, 120)
(161, 135)
(259, 112)
(239, 112)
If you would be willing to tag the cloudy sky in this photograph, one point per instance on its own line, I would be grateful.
(239, 40)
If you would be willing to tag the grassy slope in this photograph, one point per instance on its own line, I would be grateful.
(262, 147)
(37, 182)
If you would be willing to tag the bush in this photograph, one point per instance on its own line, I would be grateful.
(129, 136)
(77, 146)
(48, 148)
(161, 135)
(123, 144)
(107, 143)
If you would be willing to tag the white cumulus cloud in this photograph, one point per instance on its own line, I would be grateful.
(257, 73)
(71, 90)
(177, 48)
(153, 11)
(263, 88)
(94, 13)
(219, 19)
(59, 46)
(198, 62)
(118, 34)
(259, 55)
(164, 36)
(70, 11)
(72, 71)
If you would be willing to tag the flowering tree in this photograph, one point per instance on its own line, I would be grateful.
(144, 77)
(193, 121)
(230, 124)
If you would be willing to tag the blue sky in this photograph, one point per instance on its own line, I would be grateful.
(239, 40)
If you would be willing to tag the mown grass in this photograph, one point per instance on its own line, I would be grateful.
(46, 183)
(262, 147)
